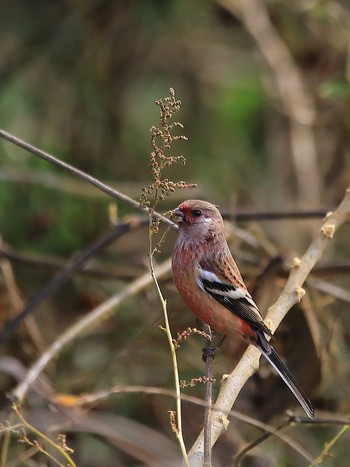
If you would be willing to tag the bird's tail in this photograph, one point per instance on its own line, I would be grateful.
(273, 358)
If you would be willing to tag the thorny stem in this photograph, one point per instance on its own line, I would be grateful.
(178, 430)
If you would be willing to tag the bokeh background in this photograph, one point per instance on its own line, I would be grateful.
(265, 98)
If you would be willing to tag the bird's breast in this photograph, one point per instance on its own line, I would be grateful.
(206, 308)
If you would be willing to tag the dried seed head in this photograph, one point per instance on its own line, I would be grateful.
(162, 138)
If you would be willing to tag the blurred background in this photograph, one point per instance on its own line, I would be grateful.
(265, 98)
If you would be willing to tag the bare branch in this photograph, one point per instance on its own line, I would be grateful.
(62, 277)
(79, 173)
(338, 292)
(91, 319)
(91, 399)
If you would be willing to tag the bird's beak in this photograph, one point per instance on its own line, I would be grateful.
(177, 215)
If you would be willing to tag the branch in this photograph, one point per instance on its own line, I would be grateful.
(240, 216)
(62, 277)
(91, 399)
(79, 173)
(53, 263)
(91, 319)
(291, 295)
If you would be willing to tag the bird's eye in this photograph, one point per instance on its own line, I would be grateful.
(196, 213)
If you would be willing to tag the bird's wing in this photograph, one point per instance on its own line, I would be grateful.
(229, 290)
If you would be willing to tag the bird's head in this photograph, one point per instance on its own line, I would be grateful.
(198, 220)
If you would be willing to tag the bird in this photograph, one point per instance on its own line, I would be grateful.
(210, 283)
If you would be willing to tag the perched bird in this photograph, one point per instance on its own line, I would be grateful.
(210, 283)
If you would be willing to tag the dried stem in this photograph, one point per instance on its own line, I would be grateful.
(79, 173)
(47, 440)
(325, 454)
(208, 402)
(178, 427)
(62, 277)
(92, 319)
(241, 454)
(162, 139)
(91, 399)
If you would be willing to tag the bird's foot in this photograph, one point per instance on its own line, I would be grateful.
(209, 352)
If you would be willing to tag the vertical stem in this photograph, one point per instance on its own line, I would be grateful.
(178, 431)
(5, 444)
(208, 404)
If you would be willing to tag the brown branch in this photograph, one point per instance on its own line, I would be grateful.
(246, 216)
(88, 321)
(91, 399)
(241, 454)
(105, 188)
(30, 330)
(86, 401)
(79, 173)
(64, 183)
(62, 277)
(54, 263)
(331, 289)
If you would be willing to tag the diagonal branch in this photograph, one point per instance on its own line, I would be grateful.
(100, 313)
(71, 267)
(79, 173)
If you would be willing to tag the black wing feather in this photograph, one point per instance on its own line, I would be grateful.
(240, 306)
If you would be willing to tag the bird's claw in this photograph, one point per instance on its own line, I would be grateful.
(209, 352)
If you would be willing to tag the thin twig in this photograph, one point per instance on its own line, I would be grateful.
(30, 329)
(41, 435)
(91, 399)
(241, 454)
(178, 428)
(62, 183)
(101, 272)
(62, 277)
(208, 402)
(51, 263)
(246, 216)
(239, 216)
(91, 319)
(79, 173)
(338, 292)
(328, 445)
(162, 138)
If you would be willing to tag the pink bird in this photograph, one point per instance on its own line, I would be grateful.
(209, 281)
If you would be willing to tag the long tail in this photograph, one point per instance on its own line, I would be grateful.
(273, 358)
